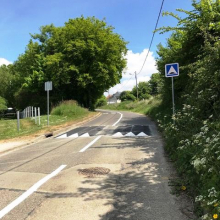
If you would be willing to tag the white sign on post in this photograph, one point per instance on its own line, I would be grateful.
(48, 87)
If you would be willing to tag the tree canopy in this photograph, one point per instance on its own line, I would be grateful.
(2, 104)
(194, 44)
(83, 59)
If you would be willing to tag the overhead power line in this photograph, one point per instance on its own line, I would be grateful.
(158, 18)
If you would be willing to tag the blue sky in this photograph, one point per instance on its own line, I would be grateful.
(134, 20)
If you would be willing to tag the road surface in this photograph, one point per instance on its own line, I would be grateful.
(113, 167)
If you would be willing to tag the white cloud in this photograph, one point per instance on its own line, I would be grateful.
(134, 63)
(4, 61)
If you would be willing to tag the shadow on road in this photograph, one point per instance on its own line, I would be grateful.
(140, 189)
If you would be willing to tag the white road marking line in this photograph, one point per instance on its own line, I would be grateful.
(118, 134)
(90, 144)
(130, 134)
(74, 135)
(142, 134)
(63, 136)
(85, 135)
(118, 119)
(25, 195)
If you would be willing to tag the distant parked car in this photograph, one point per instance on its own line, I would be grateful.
(10, 113)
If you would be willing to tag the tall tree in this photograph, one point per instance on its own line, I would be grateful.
(83, 59)
(7, 87)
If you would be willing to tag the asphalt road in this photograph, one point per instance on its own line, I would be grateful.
(113, 167)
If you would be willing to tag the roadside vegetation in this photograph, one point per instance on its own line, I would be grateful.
(83, 58)
(143, 107)
(67, 113)
(192, 134)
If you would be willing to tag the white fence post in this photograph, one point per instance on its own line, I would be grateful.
(38, 115)
(18, 121)
(32, 111)
(35, 114)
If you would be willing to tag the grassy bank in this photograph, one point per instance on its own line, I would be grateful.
(151, 106)
(66, 113)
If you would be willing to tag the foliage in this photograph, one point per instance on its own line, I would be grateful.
(69, 109)
(101, 101)
(192, 136)
(147, 89)
(144, 106)
(3, 105)
(83, 59)
(127, 95)
(155, 84)
(7, 84)
(143, 90)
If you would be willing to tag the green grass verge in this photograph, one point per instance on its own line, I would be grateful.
(67, 111)
(148, 107)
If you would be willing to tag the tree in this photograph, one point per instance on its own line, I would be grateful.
(83, 59)
(2, 104)
(155, 84)
(127, 96)
(7, 80)
(101, 101)
(195, 38)
(143, 90)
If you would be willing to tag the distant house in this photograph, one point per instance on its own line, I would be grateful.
(115, 98)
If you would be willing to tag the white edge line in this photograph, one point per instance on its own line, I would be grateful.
(90, 144)
(26, 194)
(118, 119)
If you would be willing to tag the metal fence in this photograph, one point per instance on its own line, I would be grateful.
(29, 112)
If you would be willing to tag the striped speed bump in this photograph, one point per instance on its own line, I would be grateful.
(118, 134)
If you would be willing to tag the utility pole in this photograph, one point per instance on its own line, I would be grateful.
(136, 84)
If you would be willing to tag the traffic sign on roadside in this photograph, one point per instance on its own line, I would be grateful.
(172, 70)
(48, 86)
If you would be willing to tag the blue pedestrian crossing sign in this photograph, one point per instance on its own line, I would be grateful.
(172, 70)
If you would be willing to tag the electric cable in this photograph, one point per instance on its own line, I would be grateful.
(158, 18)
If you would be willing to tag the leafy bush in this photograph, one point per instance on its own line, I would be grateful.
(193, 140)
(126, 96)
(194, 145)
(69, 108)
(2, 104)
(101, 102)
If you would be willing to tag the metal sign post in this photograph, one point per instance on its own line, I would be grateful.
(172, 70)
(48, 87)
(173, 96)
